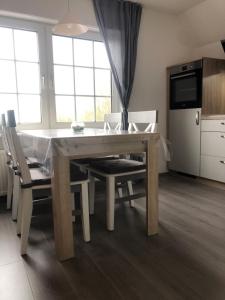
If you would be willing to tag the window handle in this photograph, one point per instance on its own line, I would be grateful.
(43, 82)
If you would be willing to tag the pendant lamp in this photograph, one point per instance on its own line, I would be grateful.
(68, 25)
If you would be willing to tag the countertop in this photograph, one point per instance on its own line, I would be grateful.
(213, 117)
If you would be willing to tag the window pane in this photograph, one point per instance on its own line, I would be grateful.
(103, 106)
(29, 108)
(83, 53)
(102, 82)
(65, 111)
(8, 102)
(26, 45)
(84, 81)
(6, 38)
(101, 57)
(64, 82)
(28, 78)
(7, 77)
(62, 50)
(85, 109)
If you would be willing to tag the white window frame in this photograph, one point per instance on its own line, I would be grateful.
(90, 36)
(48, 105)
(40, 30)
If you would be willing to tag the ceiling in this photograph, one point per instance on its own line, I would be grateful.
(170, 6)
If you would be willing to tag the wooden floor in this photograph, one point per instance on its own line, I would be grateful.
(185, 261)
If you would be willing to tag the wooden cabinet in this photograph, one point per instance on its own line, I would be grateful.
(213, 86)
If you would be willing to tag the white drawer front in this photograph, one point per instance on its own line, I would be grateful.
(213, 143)
(212, 168)
(213, 125)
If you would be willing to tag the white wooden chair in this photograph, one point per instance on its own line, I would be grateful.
(34, 179)
(9, 162)
(112, 121)
(123, 170)
(13, 192)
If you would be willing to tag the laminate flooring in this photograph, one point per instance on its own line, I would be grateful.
(186, 260)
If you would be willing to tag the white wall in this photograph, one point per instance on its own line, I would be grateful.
(205, 22)
(214, 50)
(161, 44)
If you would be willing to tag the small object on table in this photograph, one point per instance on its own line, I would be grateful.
(77, 126)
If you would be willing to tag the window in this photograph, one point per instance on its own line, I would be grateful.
(82, 80)
(20, 74)
(50, 81)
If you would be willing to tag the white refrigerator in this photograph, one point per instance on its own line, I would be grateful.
(184, 135)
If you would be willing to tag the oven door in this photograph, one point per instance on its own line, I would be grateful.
(186, 90)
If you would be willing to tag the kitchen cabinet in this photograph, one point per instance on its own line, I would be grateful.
(213, 86)
(212, 164)
(196, 91)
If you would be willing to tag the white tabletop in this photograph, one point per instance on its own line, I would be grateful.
(69, 133)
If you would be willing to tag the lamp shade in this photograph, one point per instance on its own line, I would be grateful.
(69, 27)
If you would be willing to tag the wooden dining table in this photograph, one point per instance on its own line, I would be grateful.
(66, 145)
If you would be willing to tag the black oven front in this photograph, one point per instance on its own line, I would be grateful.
(186, 86)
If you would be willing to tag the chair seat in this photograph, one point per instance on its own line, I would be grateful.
(117, 166)
(32, 162)
(89, 160)
(31, 165)
(76, 174)
(39, 178)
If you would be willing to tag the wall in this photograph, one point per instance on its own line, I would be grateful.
(205, 22)
(161, 44)
(214, 50)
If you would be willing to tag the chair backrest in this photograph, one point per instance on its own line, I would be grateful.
(16, 149)
(4, 135)
(113, 121)
(143, 117)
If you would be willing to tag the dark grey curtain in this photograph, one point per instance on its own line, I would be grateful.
(119, 23)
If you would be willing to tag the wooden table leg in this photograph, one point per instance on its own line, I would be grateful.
(152, 187)
(62, 208)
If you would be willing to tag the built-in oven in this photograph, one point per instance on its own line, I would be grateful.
(186, 86)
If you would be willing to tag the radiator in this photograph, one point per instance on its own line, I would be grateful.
(3, 174)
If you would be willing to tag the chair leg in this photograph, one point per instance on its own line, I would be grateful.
(73, 207)
(85, 212)
(131, 192)
(16, 196)
(27, 207)
(120, 192)
(19, 215)
(110, 202)
(91, 194)
(10, 188)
